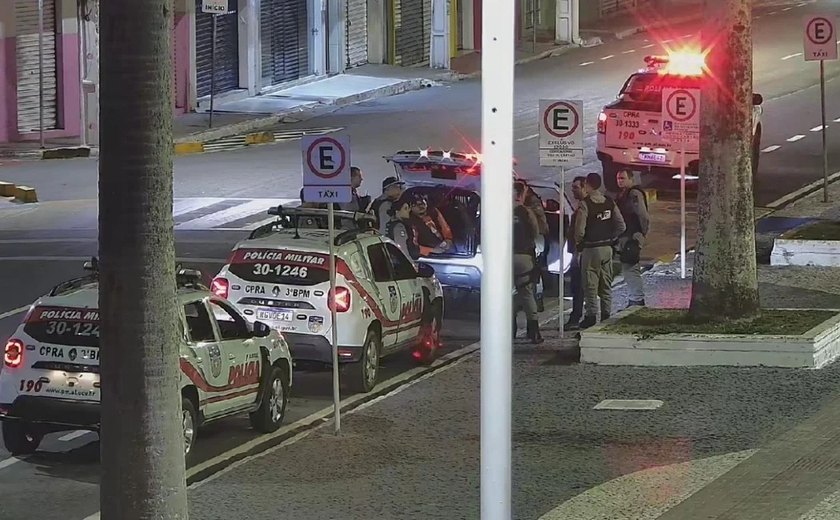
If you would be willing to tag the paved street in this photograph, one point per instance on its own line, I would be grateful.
(415, 454)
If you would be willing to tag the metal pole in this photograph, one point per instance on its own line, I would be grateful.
(534, 25)
(562, 287)
(41, 71)
(682, 210)
(334, 324)
(824, 146)
(498, 21)
(213, 69)
(80, 27)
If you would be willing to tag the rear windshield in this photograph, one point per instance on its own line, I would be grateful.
(280, 266)
(64, 326)
(644, 90)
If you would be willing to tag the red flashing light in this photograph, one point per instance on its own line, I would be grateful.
(13, 354)
(220, 287)
(341, 299)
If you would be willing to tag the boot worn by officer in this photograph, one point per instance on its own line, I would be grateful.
(573, 323)
(588, 321)
(534, 332)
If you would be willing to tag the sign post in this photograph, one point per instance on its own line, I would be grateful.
(681, 124)
(214, 7)
(821, 45)
(561, 145)
(326, 178)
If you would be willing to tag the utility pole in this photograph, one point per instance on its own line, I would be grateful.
(725, 282)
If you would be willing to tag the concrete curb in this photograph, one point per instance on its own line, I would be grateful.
(20, 193)
(550, 53)
(631, 31)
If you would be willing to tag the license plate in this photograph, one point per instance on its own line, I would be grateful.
(653, 157)
(272, 315)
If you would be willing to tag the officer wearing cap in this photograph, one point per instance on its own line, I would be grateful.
(598, 224)
(400, 228)
(392, 189)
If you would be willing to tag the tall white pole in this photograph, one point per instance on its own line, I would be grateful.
(824, 145)
(497, 57)
(80, 27)
(562, 256)
(41, 71)
(334, 322)
(682, 210)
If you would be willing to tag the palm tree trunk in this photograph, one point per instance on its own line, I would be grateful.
(725, 283)
(143, 473)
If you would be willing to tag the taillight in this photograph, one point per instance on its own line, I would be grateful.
(13, 355)
(341, 299)
(602, 123)
(220, 287)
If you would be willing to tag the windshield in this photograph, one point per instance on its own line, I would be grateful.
(64, 326)
(280, 266)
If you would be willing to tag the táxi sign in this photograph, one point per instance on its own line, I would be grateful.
(820, 37)
(326, 168)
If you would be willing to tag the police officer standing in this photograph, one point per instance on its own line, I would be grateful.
(632, 202)
(525, 230)
(575, 275)
(598, 224)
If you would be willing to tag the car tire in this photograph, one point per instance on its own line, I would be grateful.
(361, 376)
(609, 170)
(428, 346)
(20, 439)
(275, 396)
(189, 425)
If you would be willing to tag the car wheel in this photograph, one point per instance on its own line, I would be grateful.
(428, 345)
(268, 417)
(361, 376)
(609, 170)
(20, 438)
(189, 423)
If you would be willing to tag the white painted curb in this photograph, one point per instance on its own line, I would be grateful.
(823, 253)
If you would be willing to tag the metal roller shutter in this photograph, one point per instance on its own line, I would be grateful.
(284, 36)
(412, 31)
(356, 32)
(227, 51)
(26, 52)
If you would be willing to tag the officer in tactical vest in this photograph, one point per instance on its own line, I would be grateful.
(525, 268)
(598, 224)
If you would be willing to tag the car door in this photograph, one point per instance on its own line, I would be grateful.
(411, 293)
(240, 352)
(208, 370)
(388, 293)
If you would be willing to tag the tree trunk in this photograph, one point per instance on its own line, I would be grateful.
(143, 473)
(725, 285)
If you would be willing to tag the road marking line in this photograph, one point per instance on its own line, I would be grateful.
(629, 404)
(585, 63)
(649, 46)
(818, 128)
(771, 148)
(838, 119)
(669, 40)
(86, 258)
(73, 435)
(781, 201)
(528, 138)
(795, 138)
(631, 51)
(773, 12)
(8, 462)
(789, 56)
(13, 312)
(218, 218)
(608, 57)
(787, 9)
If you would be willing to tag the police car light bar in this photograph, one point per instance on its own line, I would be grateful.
(92, 264)
(188, 277)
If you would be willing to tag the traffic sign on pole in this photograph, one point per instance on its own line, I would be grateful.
(561, 132)
(215, 6)
(820, 37)
(681, 117)
(326, 168)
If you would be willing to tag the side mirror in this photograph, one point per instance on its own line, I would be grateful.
(261, 330)
(425, 270)
(92, 264)
(758, 99)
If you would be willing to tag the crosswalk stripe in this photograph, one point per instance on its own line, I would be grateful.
(181, 206)
(237, 212)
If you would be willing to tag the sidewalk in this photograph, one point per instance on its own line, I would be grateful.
(644, 19)
(415, 454)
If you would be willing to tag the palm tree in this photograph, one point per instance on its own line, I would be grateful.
(143, 470)
(725, 281)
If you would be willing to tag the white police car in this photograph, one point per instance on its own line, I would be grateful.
(50, 380)
(384, 302)
(629, 134)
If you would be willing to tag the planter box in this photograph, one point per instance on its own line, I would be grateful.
(815, 348)
(825, 253)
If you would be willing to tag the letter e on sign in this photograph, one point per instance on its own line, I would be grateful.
(326, 160)
(820, 37)
(561, 124)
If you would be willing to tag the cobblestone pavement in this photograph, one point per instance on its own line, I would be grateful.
(415, 454)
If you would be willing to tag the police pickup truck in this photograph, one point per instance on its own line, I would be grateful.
(629, 129)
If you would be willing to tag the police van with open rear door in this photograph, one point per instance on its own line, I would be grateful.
(50, 382)
(629, 129)
(384, 302)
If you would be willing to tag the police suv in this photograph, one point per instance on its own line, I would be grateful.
(629, 129)
(383, 301)
(50, 381)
